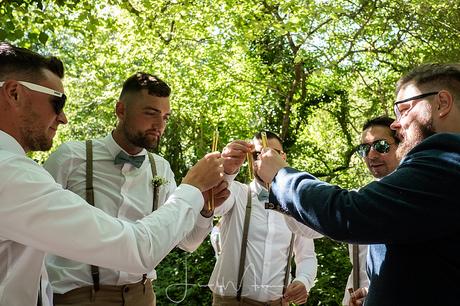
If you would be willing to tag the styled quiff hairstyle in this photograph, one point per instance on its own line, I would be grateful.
(141, 80)
(26, 65)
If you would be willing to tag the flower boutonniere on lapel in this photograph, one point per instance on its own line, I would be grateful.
(157, 181)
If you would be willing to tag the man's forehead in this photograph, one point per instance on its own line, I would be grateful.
(53, 81)
(408, 90)
(376, 132)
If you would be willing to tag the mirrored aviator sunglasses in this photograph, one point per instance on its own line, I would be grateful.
(381, 146)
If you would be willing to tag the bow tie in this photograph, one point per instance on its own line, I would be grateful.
(122, 158)
(263, 195)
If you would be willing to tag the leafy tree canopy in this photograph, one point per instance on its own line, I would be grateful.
(311, 70)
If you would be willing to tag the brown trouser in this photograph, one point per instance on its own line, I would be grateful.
(137, 294)
(219, 300)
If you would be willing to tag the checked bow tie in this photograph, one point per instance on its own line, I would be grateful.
(122, 158)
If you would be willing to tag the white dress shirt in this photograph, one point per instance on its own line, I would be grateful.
(37, 215)
(267, 249)
(363, 278)
(122, 191)
(301, 229)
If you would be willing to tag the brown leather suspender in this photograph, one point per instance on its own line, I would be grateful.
(244, 244)
(356, 268)
(90, 199)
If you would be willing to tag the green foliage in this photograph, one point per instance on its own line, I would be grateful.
(183, 277)
(333, 270)
(312, 71)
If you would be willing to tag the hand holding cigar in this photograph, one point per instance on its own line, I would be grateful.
(357, 297)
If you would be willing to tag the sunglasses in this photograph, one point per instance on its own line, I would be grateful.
(58, 100)
(255, 154)
(381, 146)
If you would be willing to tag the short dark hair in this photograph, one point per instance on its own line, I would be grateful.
(19, 62)
(142, 80)
(270, 135)
(445, 75)
(384, 121)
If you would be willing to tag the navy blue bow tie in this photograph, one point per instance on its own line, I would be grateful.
(263, 195)
(122, 158)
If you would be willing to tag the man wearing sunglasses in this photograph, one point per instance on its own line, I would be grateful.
(414, 211)
(38, 216)
(122, 174)
(378, 150)
(256, 244)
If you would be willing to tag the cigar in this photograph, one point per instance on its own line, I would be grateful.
(263, 135)
(215, 139)
(352, 294)
(250, 165)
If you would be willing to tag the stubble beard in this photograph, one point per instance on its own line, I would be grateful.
(140, 140)
(33, 134)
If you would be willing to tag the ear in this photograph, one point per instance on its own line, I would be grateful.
(10, 91)
(444, 104)
(120, 110)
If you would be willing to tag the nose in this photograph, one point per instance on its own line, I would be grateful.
(373, 154)
(62, 118)
(395, 125)
(161, 125)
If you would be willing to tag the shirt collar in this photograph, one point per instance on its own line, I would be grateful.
(114, 148)
(10, 144)
(256, 186)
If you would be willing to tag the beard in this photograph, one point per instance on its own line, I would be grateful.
(416, 133)
(33, 134)
(141, 140)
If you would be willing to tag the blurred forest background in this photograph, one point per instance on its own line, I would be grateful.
(311, 70)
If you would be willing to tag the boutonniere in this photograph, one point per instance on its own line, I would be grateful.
(157, 181)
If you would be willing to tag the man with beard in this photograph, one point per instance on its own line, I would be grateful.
(414, 211)
(123, 175)
(38, 216)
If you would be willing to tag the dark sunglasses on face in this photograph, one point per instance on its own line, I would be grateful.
(255, 154)
(58, 100)
(381, 146)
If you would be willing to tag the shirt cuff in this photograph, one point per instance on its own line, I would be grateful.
(230, 177)
(192, 195)
(204, 222)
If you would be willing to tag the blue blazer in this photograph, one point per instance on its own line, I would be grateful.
(410, 218)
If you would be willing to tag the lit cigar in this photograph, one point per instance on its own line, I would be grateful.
(215, 140)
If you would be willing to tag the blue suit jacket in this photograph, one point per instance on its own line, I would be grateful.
(414, 212)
